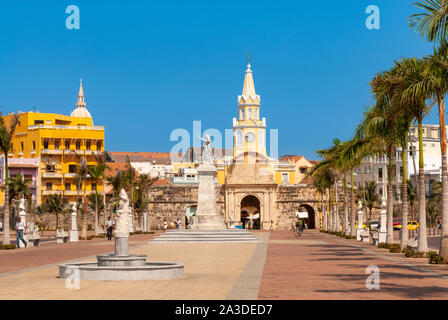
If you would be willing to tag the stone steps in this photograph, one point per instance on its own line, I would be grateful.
(229, 235)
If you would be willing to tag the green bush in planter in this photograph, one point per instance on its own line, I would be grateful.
(435, 258)
(7, 246)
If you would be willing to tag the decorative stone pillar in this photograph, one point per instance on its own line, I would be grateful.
(382, 232)
(360, 229)
(74, 233)
(145, 222)
(131, 220)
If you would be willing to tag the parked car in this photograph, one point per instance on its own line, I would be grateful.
(412, 225)
(397, 224)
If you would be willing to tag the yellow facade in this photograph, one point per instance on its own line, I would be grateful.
(56, 139)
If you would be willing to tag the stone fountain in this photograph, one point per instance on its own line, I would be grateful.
(121, 265)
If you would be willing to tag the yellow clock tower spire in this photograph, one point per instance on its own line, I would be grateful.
(249, 128)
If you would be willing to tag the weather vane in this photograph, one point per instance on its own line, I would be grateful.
(248, 57)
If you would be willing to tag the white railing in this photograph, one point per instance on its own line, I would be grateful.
(48, 126)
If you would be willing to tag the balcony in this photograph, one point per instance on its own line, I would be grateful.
(69, 175)
(51, 151)
(47, 174)
(68, 193)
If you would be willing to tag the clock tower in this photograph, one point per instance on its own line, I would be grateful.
(249, 129)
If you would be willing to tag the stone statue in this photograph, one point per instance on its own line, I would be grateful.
(207, 152)
(22, 211)
(74, 210)
(122, 226)
(383, 203)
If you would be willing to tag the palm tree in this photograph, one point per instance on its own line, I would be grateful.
(6, 136)
(97, 173)
(18, 187)
(412, 197)
(371, 196)
(432, 24)
(101, 160)
(432, 212)
(82, 175)
(94, 201)
(55, 203)
(143, 183)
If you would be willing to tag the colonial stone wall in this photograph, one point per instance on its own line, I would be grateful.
(290, 198)
(171, 201)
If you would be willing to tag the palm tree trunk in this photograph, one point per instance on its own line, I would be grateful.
(344, 222)
(104, 204)
(353, 208)
(444, 232)
(84, 217)
(6, 237)
(390, 203)
(330, 218)
(422, 240)
(404, 200)
(96, 215)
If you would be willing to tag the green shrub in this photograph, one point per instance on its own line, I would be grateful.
(383, 245)
(7, 246)
(435, 258)
(395, 248)
(409, 253)
(419, 254)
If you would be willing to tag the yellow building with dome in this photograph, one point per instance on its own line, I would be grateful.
(57, 141)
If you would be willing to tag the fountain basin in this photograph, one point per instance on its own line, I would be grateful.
(148, 271)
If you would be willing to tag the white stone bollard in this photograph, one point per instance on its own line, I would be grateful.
(360, 229)
(382, 232)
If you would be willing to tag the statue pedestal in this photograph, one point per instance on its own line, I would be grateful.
(382, 233)
(74, 234)
(207, 216)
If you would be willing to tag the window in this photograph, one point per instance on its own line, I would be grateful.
(45, 144)
(49, 186)
(88, 145)
(56, 144)
(93, 186)
(21, 146)
(380, 173)
(256, 113)
(78, 145)
(34, 145)
(98, 146)
(303, 170)
(285, 177)
(380, 191)
(72, 168)
(68, 186)
(249, 114)
(67, 145)
(38, 121)
(401, 171)
(242, 113)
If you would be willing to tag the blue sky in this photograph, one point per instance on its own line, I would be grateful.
(149, 67)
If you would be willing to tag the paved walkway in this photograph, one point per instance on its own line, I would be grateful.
(314, 266)
(323, 266)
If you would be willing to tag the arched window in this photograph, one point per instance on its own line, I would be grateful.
(256, 113)
(249, 114)
(242, 113)
(239, 137)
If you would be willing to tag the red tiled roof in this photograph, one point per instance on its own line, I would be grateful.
(159, 157)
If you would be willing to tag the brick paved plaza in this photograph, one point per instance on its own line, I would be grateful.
(314, 266)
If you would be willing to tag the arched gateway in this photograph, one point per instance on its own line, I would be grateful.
(250, 212)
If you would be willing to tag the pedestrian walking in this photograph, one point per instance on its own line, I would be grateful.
(272, 225)
(165, 225)
(1, 225)
(109, 227)
(177, 223)
(20, 227)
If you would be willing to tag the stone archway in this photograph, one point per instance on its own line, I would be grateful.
(250, 206)
(311, 220)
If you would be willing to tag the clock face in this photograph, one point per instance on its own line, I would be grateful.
(250, 137)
